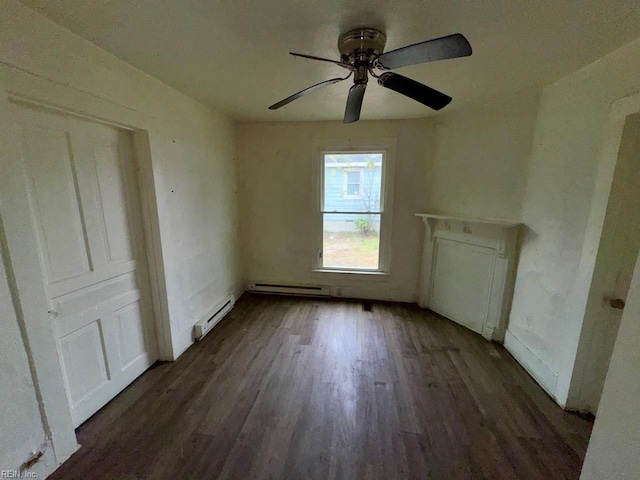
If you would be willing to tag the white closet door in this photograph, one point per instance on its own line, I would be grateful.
(85, 208)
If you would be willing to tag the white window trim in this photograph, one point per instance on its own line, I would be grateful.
(387, 146)
(346, 195)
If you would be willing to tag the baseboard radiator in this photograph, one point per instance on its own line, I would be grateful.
(282, 289)
(205, 325)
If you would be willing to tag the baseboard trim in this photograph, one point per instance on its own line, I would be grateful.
(540, 371)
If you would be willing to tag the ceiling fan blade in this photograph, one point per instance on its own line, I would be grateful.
(306, 91)
(311, 57)
(415, 90)
(354, 102)
(451, 46)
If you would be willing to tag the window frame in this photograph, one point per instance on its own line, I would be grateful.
(385, 146)
(346, 195)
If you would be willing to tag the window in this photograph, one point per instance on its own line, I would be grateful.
(353, 184)
(352, 211)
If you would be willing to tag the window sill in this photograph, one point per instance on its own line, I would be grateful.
(375, 273)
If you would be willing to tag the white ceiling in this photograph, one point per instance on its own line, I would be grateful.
(233, 54)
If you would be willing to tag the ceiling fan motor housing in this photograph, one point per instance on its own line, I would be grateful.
(361, 44)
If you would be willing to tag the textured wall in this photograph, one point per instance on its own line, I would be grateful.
(481, 164)
(276, 165)
(563, 211)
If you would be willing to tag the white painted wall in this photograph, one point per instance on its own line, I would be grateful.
(615, 440)
(192, 151)
(563, 207)
(191, 145)
(481, 163)
(21, 428)
(276, 162)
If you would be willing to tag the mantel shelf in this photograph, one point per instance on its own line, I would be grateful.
(487, 221)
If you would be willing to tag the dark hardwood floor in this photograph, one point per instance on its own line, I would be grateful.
(312, 389)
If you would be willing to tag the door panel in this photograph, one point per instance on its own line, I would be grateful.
(57, 213)
(113, 203)
(458, 270)
(131, 338)
(96, 277)
(85, 205)
(84, 361)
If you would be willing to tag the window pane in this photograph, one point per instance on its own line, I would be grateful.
(353, 177)
(352, 182)
(351, 241)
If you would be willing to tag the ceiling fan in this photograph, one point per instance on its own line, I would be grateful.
(361, 51)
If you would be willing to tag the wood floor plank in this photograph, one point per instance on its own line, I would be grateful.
(293, 388)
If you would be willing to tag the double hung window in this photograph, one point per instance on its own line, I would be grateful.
(352, 207)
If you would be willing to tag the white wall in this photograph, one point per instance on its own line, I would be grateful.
(192, 150)
(471, 163)
(536, 158)
(276, 177)
(21, 428)
(563, 207)
(482, 154)
(615, 440)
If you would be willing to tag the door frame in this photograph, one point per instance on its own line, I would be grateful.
(24, 269)
(619, 113)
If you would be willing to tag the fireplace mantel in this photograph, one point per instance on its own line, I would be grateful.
(467, 270)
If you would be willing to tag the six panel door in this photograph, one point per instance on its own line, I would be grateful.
(85, 208)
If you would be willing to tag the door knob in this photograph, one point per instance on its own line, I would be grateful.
(616, 303)
(52, 314)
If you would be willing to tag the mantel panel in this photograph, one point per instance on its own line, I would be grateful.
(468, 271)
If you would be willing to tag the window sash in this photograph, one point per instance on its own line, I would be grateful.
(327, 254)
(383, 178)
(350, 212)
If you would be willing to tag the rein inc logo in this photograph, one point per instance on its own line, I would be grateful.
(17, 474)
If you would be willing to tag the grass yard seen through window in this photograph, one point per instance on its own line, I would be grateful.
(351, 249)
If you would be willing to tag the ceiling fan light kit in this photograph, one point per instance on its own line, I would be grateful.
(362, 52)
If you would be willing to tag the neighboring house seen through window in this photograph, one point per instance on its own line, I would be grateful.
(353, 183)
